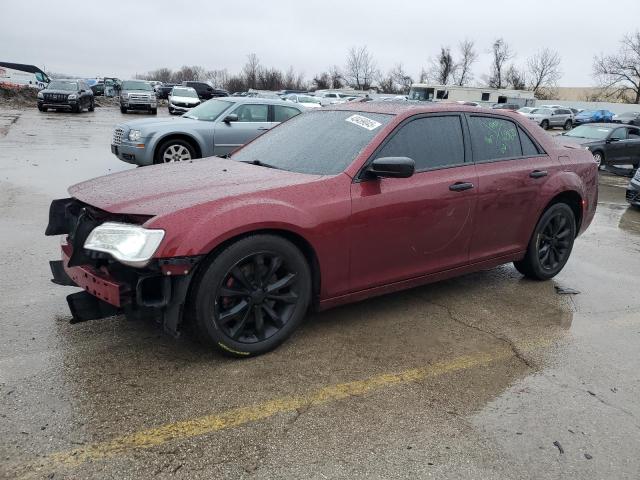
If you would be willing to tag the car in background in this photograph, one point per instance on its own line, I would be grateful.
(550, 118)
(215, 127)
(593, 116)
(306, 101)
(333, 206)
(182, 99)
(331, 98)
(163, 91)
(137, 95)
(608, 143)
(98, 88)
(629, 118)
(506, 106)
(633, 190)
(526, 110)
(72, 94)
(205, 91)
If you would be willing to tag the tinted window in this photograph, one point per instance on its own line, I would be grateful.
(281, 114)
(338, 137)
(252, 113)
(619, 133)
(528, 147)
(430, 141)
(493, 138)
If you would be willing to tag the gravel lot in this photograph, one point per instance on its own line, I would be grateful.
(485, 376)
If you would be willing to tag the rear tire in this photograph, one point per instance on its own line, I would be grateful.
(550, 245)
(568, 125)
(252, 296)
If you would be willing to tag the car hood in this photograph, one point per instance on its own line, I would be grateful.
(137, 92)
(156, 123)
(574, 142)
(178, 98)
(164, 189)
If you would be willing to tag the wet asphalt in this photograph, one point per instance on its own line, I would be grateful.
(481, 377)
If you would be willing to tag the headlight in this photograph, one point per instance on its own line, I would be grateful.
(130, 244)
(134, 135)
(40, 95)
(72, 96)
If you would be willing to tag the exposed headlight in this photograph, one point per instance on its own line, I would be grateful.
(73, 96)
(40, 95)
(134, 135)
(129, 244)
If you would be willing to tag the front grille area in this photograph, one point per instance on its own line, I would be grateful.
(118, 133)
(139, 98)
(184, 104)
(55, 97)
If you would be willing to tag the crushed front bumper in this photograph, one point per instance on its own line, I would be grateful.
(158, 290)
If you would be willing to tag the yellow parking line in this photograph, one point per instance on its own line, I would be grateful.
(240, 416)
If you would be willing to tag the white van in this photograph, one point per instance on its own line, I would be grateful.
(20, 75)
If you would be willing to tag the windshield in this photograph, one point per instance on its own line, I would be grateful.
(184, 92)
(307, 99)
(589, 131)
(318, 143)
(587, 113)
(136, 85)
(62, 85)
(526, 110)
(208, 111)
(541, 111)
(629, 115)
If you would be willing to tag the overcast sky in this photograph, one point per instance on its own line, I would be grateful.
(122, 38)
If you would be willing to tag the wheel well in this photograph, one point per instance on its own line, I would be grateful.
(574, 200)
(299, 241)
(190, 140)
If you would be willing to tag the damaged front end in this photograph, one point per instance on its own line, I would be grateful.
(116, 281)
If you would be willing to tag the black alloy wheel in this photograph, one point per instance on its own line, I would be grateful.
(251, 296)
(551, 243)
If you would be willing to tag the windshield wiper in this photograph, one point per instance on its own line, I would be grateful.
(260, 164)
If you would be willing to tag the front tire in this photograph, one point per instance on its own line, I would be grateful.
(92, 106)
(550, 245)
(252, 296)
(545, 124)
(598, 156)
(123, 110)
(154, 111)
(175, 151)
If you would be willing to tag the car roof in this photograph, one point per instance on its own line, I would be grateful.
(270, 101)
(407, 108)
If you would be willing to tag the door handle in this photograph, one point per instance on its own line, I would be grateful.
(461, 186)
(263, 128)
(538, 174)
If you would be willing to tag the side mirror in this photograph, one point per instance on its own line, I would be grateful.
(610, 140)
(232, 117)
(392, 167)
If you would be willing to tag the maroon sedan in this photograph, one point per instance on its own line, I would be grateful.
(333, 206)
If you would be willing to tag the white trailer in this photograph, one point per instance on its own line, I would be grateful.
(483, 96)
(19, 75)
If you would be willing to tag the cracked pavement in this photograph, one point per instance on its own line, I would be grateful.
(474, 377)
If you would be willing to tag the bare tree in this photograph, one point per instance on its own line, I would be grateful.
(468, 57)
(218, 78)
(235, 83)
(293, 80)
(501, 53)
(387, 83)
(360, 69)
(442, 67)
(619, 73)
(424, 76)
(515, 78)
(543, 70)
(322, 81)
(337, 79)
(250, 70)
(401, 78)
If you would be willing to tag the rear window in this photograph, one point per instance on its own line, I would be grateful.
(494, 138)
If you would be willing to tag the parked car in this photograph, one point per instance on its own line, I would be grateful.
(633, 190)
(182, 99)
(163, 91)
(138, 95)
(331, 98)
(548, 118)
(306, 101)
(525, 110)
(506, 106)
(215, 127)
(206, 91)
(630, 118)
(609, 144)
(379, 198)
(98, 89)
(74, 95)
(593, 116)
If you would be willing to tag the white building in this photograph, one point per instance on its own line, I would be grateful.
(486, 96)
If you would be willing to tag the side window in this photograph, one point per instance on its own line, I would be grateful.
(252, 113)
(485, 96)
(634, 133)
(282, 114)
(529, 148)
(493, 139)
(619, 134)
(430, 141)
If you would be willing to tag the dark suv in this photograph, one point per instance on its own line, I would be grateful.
(74, 95)
(205, 91)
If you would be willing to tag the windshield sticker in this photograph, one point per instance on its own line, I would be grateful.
(363, 122)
